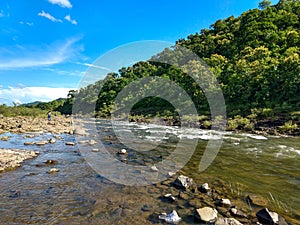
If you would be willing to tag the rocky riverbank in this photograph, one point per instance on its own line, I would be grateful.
(276, 125)
(13, 158)
(24, 124)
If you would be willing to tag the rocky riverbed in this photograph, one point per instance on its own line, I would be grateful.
(13, 158)
(88, 198)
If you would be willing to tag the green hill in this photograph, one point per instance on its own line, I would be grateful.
(255, 58)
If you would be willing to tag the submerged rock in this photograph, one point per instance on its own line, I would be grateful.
(51, 141)
(5, 138)
(170, 197)
(206, 215)
(41, 143)
(257, 200)
(70, 143)
(183, 182)
(54, 170)
(123, 151)
(51, 162)
(170, 218)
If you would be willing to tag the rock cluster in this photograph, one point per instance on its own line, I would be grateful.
(12, 158)
(209, 207)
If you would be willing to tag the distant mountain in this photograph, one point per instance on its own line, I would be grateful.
(31, 104)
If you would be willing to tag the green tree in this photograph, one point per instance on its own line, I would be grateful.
(264, 4)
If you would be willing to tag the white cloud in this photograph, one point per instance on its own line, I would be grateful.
(68, 18)
(62, 3)
(39, 57)
(31, 94)
(49, 16)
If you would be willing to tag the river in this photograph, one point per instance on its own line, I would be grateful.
(80, 194)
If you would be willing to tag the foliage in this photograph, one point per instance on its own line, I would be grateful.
(21, 111)
(288, 126)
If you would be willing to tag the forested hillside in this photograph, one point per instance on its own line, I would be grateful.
(255, 57)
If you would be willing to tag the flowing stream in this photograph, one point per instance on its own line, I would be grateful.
(77, 194)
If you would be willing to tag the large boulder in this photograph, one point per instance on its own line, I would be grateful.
(265, 216)
(206, 215)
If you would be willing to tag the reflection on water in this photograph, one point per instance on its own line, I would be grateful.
(78, 195)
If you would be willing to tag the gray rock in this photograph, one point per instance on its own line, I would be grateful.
(170, 218)
(206, 215)
(237, 213)
(265, 216)
(227, 221)
(204, 188)
(170, 197)
(224, 202)
(183, 182)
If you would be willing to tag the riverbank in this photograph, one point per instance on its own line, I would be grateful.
(281, 125)
(26, 124)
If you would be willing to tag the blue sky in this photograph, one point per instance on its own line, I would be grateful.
(46, 46)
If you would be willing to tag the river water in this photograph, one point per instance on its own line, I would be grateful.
(80, 194)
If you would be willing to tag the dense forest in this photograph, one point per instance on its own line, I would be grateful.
(255, 57)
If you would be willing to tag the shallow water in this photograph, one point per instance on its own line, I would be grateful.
(77, 194)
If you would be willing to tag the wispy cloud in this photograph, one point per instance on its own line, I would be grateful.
(68, 18)
(3, 14)
(94, 66)
(26, 23)
(39, 57)
(31, 94)
(49, 16)
(62, 3)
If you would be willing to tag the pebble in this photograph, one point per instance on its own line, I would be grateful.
(123, 151)
(170, 197)
(54, 170)
(154, 168)
(70, 143)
